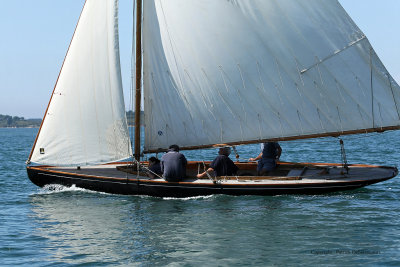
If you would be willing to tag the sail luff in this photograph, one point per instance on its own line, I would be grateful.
(55, 85)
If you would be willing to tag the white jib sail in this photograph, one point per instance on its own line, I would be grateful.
(85, 122)
(225, 71)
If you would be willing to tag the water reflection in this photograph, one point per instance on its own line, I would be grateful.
(84, 227)
(78, 227)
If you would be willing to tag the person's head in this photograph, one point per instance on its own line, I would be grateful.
(174, 148)
(225, 151)
(153, 160)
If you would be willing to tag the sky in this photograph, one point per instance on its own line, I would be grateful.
(37, 33)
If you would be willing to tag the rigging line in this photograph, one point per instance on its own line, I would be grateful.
(110, 91)
(268, 75)
(360, 83)
(208, 175)
(140, 167)
(362, 117)
(162, 101)
(372, 88)
(133, 64)
(172, 47)
(95, 99)
(138, 77)
(199, 88)
(217, 89)
(380, 114)
(281, 91)
(239, 97)
(394, 98)
(378, 74)
(344, 158)
(349, 95)
(298, 70)
(337, 85)
(265, 99)
(238, 91)
(330, 139)
(340, 119)
(185, 101)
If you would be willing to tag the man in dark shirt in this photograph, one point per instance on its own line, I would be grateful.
(270, 153)
(173, 165)
(154, 168)
(222, 165)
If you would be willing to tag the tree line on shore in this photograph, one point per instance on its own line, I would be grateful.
(18, 122)
(7, 121)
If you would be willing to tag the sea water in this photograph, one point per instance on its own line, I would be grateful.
(60, 226)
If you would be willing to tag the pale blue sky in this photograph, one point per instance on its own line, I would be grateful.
(36, 35)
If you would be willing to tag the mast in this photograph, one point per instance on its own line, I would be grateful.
(138, 94)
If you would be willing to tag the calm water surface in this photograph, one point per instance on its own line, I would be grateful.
(61, 226)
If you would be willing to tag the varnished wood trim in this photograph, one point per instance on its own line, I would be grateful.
(210, 183)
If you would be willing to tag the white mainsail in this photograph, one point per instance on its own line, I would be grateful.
(85, 122)
(237, 71)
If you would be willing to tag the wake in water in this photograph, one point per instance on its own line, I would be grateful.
(189, 198)
(56, 188)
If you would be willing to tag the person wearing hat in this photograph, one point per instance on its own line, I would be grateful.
(222, 165)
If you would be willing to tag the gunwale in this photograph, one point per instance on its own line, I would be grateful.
(106, 178)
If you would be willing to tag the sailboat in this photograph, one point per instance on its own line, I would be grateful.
(214, 73)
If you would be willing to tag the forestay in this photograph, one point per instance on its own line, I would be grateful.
(235, 71)
(85, 122)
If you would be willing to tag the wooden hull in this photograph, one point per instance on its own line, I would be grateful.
(318, 179)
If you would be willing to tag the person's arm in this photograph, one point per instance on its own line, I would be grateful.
(278, 152)
(200, 175)
(256, 158)
(151, 175)
(236, 168)
(162, 165)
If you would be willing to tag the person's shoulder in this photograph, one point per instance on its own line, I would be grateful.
(230, 160)
(220, 157)
(165, 156)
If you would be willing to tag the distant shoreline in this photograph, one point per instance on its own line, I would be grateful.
(36, 127)
(7, 121)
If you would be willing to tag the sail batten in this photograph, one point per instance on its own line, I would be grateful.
(85, 123)
(237, 72)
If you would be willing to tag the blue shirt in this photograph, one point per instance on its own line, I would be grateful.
(156, 168)
(173, 166)
(223, 166)
(270, 150)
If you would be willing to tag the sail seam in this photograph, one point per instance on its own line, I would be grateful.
(332, 55)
